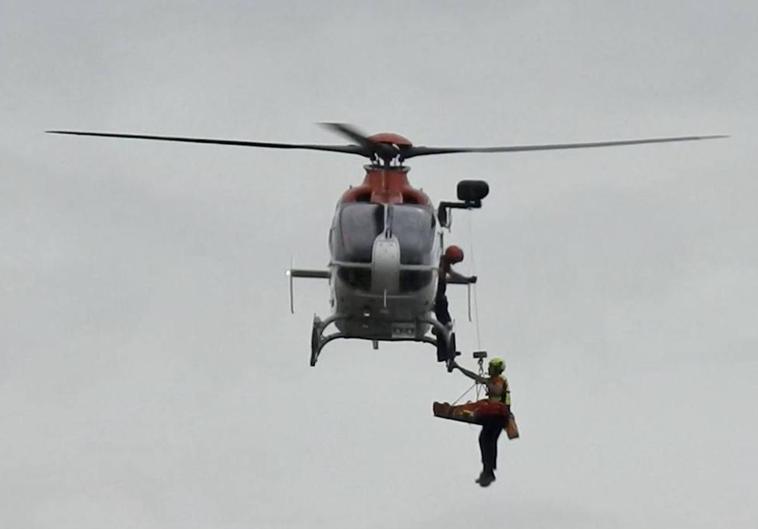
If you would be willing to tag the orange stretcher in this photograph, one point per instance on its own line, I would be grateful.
(477, 413)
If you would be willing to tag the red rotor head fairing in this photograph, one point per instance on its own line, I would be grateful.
(391, 138)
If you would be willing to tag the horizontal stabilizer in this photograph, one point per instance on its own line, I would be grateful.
(311, 274)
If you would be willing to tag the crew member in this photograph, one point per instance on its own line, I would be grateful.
(497, 390)
(453, 254)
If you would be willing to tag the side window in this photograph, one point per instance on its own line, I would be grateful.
(414, 280)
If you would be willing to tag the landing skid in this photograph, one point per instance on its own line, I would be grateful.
(316, 339)
(443, 338)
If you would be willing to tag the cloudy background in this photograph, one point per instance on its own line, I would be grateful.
(151, 375)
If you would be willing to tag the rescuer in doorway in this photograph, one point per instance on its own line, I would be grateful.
(453, 254)
(497, 390)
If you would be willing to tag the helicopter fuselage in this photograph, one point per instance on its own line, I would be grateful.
(384, 258)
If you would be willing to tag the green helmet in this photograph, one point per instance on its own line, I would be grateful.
(497, 365)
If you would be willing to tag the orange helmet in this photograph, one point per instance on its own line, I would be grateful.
(454, 254)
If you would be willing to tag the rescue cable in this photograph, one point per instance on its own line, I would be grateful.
(473, 268)
(476, 385)
(476, 301)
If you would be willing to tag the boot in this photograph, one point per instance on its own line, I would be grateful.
(486, 478)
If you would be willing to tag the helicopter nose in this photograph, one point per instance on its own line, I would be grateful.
(385, 265)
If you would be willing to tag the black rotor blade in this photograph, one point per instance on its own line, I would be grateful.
(349, 132)
(348, 149)
(383, 150)
(425, 151)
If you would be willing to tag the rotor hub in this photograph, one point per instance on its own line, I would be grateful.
(389, 148)
(392, 139)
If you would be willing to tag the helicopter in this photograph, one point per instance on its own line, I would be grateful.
(387, 237)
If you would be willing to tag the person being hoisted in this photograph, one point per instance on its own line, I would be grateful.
(493, 420)
(453, 255)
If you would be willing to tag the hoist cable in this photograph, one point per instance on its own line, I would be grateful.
(476, 299)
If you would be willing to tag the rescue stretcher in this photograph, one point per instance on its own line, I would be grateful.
(477, 412)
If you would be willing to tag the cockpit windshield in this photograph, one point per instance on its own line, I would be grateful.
(356, 226)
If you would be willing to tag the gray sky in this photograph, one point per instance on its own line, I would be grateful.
(152, 377)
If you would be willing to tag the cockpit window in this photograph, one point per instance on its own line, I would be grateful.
(355, 227)
(414, 227)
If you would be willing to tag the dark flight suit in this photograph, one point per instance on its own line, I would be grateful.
(490, 433)
(441, 308)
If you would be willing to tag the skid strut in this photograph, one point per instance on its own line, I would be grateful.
(441, 333)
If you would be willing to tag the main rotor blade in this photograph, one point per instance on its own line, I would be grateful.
(425, 151)
(349, 132)
(349, 149)
(384, 151)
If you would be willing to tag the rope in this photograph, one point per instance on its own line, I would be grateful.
(476, 321)
(481, 374)
(476, 313)
(464, 394)
(473, 267)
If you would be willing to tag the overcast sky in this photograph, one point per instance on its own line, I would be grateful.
(152, 377)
